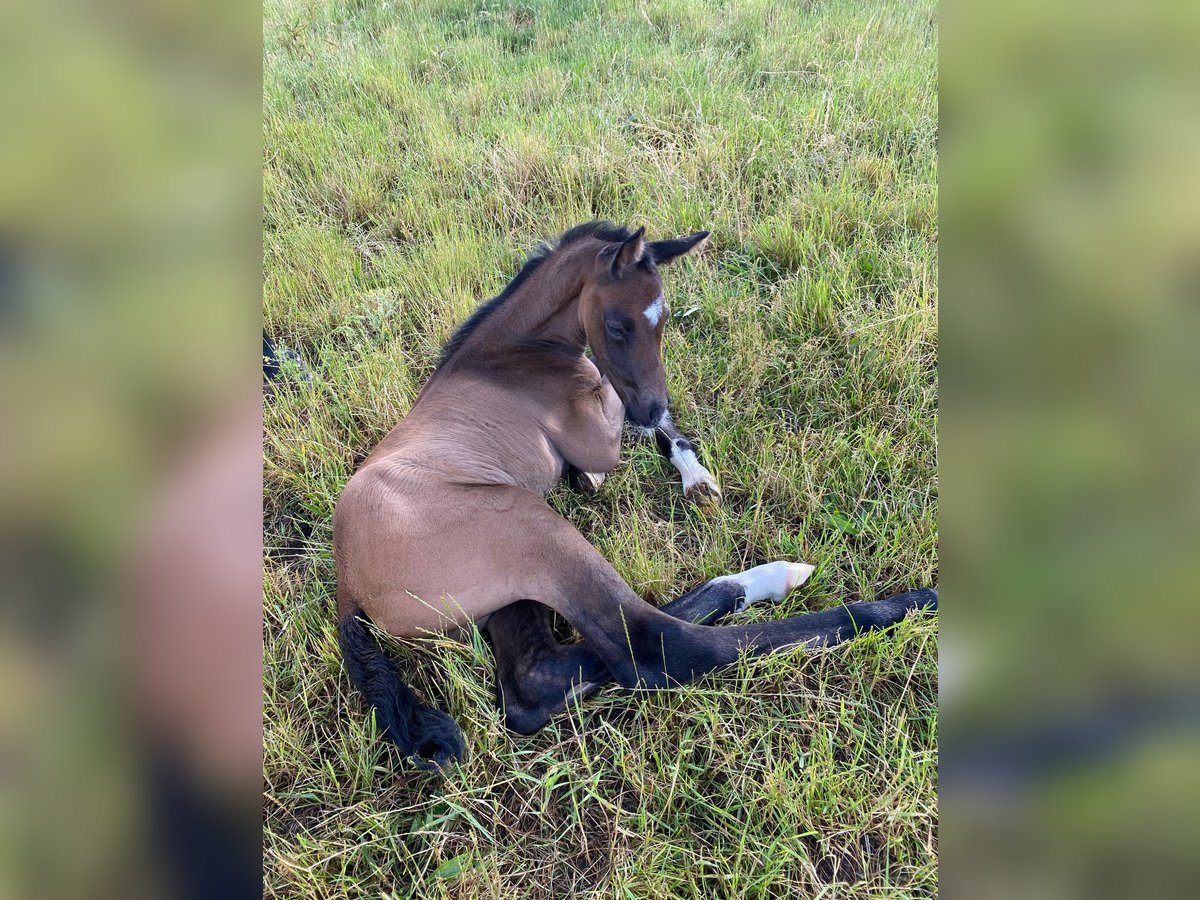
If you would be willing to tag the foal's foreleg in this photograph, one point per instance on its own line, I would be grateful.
(590, 442)
(712, 601)
(699, 485)
(581, 481)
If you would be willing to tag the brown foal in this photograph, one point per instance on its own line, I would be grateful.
(446, 523)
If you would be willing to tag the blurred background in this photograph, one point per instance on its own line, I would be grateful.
(130, 499)
(130, 474)
(1070, 297)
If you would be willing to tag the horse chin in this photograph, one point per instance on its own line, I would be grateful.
(647, 428)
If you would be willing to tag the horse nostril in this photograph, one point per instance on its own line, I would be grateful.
(656, 413)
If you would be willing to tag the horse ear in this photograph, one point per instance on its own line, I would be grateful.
(666, 251)
(631, 251)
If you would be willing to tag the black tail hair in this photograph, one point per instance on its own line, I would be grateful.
(428, 736)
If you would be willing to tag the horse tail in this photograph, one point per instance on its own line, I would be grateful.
(428, 736)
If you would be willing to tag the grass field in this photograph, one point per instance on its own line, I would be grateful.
(413, 153)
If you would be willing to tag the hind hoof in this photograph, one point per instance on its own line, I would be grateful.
(926, 599)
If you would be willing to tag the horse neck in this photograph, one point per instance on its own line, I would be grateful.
(545, 307)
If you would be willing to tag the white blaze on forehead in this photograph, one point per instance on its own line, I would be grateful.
(654, 312)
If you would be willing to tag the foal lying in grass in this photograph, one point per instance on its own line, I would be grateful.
(446, 521)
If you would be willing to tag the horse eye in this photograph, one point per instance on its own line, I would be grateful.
(615, 331)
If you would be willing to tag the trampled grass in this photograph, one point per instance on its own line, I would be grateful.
(413, 153)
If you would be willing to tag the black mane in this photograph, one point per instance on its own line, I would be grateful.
(597, 228)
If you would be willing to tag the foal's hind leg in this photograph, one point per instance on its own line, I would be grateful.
(645, 647)
(536, 676)
(547, 560)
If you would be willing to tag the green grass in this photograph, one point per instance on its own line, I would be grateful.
(413, 153)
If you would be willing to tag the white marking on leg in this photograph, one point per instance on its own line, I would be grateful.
(684, 459)
(772, 581)
(655, 311)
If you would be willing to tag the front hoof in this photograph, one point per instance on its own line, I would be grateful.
(769, 583)
(704, 494)
(587, 483)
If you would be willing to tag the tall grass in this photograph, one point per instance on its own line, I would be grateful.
(413, 153)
